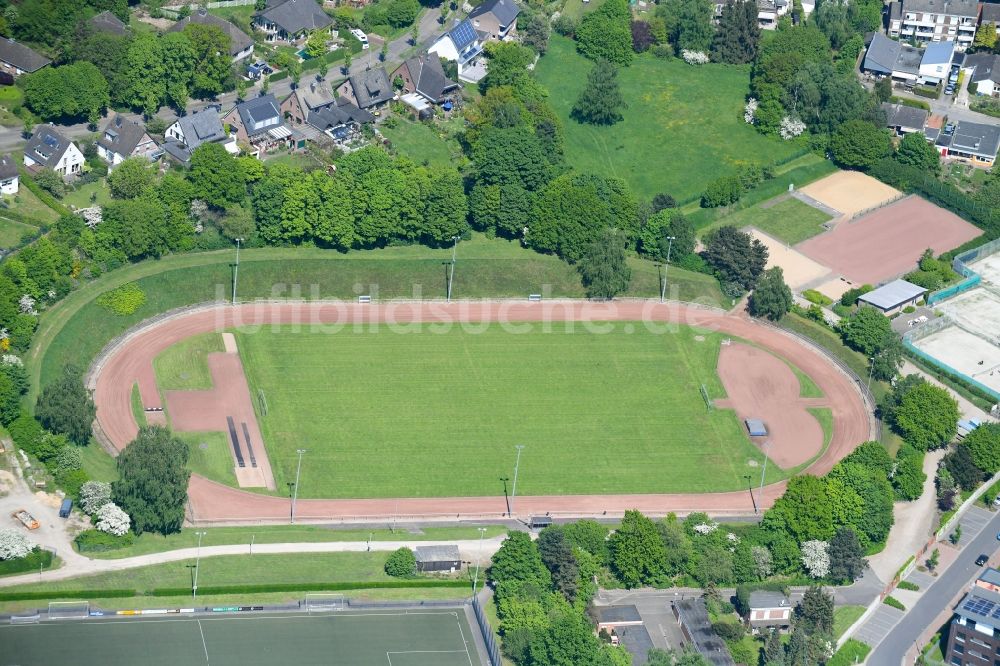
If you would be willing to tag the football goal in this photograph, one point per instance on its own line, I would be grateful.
(68, 610)
(324, 602)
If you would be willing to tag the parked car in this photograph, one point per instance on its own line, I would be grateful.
(982, 559)
(949, 90)
(361, 37)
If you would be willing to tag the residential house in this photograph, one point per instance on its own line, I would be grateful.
(974, 634)
(497, 18)
(695, 625)
(17, 59)
(769, 610)
(424, 75)
(290, 20)
(369, 89)
(240, 44)
(109, 23)
(123, 138)
(47, 148)
(935, 63)
(768, 12)
(904, 119)
(973, 143)
(984, 70)
(935, 21)
(989, 12)
(9, 177)
(887, 57)
(257, 122)
(990, 578)
(462, 44)
(194, 129)
(302, 100)
(315, 108)
(626, 628)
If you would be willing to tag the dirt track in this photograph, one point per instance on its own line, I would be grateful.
(211, 502)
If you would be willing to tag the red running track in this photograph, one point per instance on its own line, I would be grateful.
(132, 361)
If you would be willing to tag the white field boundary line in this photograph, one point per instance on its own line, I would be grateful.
(466, 652)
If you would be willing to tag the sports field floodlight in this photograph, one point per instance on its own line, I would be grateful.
(479, 557)
(764, 470)
(517, 463)
(451, 278)
(506, 497)
(236, 268)
(197, 565)
(750, 488)
(666, 267)
(295, 485)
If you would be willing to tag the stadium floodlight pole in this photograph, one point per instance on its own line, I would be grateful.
(513, 489)
(663, 284)
(291, 507)
(666, 266)
(764, 470)
(506, 497)
(236, 269)
(298, 470)
(750, 488)
(197, 564)
(451, 278)
(479, 557)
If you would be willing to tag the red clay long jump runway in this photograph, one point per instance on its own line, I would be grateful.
(132, 360)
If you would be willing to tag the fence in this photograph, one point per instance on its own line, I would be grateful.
(929, 328)
(484, 627)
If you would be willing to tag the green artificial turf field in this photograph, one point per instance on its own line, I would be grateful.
(384, 638)
(437, 413)
(682, 129)
(789, 220)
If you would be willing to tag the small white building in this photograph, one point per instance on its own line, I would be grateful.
(461, 44)
(892, 297)
(10, 180)
(769, 610)
(935, 65)
(47, 148)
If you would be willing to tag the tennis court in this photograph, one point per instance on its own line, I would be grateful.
(384, 638)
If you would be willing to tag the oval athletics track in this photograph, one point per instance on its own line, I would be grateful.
(131, 362)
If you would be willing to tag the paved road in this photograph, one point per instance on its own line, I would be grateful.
(956, 577)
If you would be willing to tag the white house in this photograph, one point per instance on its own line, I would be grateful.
(123, 138)
(48, 148)
(934, 21)
(462, 44)
(769, 610)
(935, 65)
(9, 179)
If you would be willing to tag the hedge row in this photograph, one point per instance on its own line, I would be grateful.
(943, 375)
(68, 594)
(914, 103)
(29, 562)
(42, 195)
(306, 587)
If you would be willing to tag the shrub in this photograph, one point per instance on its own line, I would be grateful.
(722, 192)
(95, 541)
(401, 563)
(814, 296)
(34, 560)
(894, 602)
(728, 631)
(123, 300)
(907, 585)
(13, 544)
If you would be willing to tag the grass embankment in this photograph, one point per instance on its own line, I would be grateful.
(683, 126)
(844, 617)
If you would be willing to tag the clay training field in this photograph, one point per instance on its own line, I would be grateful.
(434, 410)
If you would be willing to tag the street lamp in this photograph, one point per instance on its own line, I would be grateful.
(291, 502)
(506, 498)
(666, 267)
(298, 470)
(236, 269)
(764, 470)
(479, 557)
(451, 278)
(513, 490)
(750, 488)
(197, 564)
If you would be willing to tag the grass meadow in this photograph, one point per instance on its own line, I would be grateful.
(789, 220)
(421, 143)
(184, 366)
(438, 412)
(682, 129)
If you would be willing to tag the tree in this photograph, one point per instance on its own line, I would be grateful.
(934, 559)
(847, 559)
(114, 521)
(568, 641)
(508, 64)
(94, 495)
(65, 406)
(642, 36)
(983, 444)
(518, 561)
(986, 36)
(557, 555)
(217, 178)
(815, 558)
(859, 144)
(589, 535)
(153, 480)
(763, 564)
(771, 297)
(908, 479)
(871, 455)
(774, 651)
(143, 79)
(131, 178)
(738, 34)
(178, 68)
(604, 267)
(13, 544)
(533, 28)
(76, 91)
(736, 256)
(866, 330)
(606, 33)
(815, 611)
(915, 151)
(960, 465)
(637, 552)
(689, 24)
(722, 191)
(601, 102)
(927, 417)
(947, 490)
(212, 69)
(401, 563)
(316, 44)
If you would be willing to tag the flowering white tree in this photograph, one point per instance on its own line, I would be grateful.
(13, 544)
(791, 128)
(92, 216)
(27, 305)
(694, 57)
(10, 359)
(706, 528)
(94, 495)
(815, 558)
(733, 539)
(750, 111)
(762, 563)
(113, 520)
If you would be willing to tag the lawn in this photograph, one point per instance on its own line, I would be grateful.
(789, 220)
(422, 143)
(11, 232)
(208, 455)
(437, 411)
(80, 197)
(184, 366)
(682, 129)
(76, 329)
(844, 617)
(26, 203)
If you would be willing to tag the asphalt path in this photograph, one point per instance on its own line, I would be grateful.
(962, 572)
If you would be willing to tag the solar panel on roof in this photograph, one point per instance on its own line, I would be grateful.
(463, 34)
(51, 140)
(979, 606)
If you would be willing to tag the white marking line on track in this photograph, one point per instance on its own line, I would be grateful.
(203, 643)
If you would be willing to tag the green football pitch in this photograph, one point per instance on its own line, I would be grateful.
(414, 638)
(438, 412)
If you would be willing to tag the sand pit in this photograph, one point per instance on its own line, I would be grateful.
(762, 386)
(882, 245)
(799, 269)
(850, 192)
(834, 288)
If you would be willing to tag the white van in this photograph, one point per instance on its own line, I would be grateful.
(360, 36)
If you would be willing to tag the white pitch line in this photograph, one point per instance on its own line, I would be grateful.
(203, 643)
(464, 642)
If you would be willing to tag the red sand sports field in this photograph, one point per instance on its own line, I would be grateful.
(753, 381)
